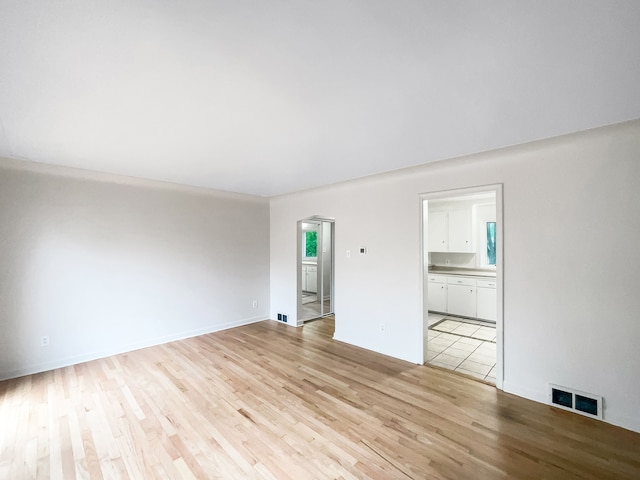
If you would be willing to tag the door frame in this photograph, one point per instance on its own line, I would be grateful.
(424, 255)
(319, 219)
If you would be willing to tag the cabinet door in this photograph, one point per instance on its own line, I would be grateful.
(437, 296)
(487, 303)
(461, 300)
(460, 231)
(438, 232)
(312, 279)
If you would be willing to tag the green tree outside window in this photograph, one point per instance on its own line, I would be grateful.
(311, 244)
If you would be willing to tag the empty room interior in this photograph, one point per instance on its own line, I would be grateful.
(362, 239)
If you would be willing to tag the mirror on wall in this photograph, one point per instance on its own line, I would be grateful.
(315, 264)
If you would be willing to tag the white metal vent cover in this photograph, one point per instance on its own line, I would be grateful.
(575, 401)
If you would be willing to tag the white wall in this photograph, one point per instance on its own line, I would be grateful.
(571, 251)
(104, 264)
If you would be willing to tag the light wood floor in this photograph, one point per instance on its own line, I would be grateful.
(271, 401)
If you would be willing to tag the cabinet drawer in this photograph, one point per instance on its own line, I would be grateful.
(470, 282)
(312, 269)
(437, 279)
(486, 283)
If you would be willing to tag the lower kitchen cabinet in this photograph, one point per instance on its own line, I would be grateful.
(437, 293)
(310, 278)
(487, 300)
(463, 296)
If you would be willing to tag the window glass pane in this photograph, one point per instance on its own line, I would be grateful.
(311, 244)
(491, 243)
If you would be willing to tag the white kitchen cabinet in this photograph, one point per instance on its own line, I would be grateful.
(310, 278)
(438, 232)
(450, 231)
(460, 230)
(461, 296)
(437, 293)
(487, 303)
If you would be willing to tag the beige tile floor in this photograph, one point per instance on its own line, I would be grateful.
(463, 347)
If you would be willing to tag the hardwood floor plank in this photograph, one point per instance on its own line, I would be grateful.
(90, 463)
(75, 442)
(272, 402)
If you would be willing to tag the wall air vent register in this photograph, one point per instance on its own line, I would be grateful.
(575, 401)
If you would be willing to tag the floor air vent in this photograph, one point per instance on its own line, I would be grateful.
(575, 401)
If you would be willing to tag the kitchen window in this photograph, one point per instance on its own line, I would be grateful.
(310, 244)
(491, 243)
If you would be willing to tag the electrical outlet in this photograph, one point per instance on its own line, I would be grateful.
(284, 318)
(44, 341)
(383, 327)
(255, 304)
(280, 316)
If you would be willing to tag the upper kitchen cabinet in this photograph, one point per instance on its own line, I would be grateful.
(450, 231)
(460, 230)
(438, 233)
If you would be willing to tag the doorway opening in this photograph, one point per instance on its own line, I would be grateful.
(315, 289)
(462, 271)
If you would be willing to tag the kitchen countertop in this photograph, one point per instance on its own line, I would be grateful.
(469, 272)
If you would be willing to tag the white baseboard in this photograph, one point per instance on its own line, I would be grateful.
(542, 396)
(340, 338)
(630, 423)
(86, 357)
(525, 392)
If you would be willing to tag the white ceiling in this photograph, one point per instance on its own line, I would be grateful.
(273, 96)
